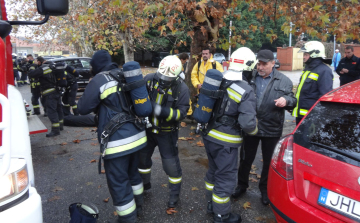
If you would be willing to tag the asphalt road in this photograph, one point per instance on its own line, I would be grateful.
(65, 173)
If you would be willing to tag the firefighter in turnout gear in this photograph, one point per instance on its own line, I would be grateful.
(15, 68)
(69, 96)
(51, 94)
(170, 98)
(316, 79)
(35, 90)
(25, 69)
(234, 112)
(119, 133)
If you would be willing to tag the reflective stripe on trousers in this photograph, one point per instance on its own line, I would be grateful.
(220, 200)
(126, 209)
(209, 186)
(138, 189)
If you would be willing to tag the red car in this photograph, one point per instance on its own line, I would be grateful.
(315, 171)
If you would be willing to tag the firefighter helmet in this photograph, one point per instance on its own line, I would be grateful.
(169, 69)
(242, 59)
(315, 48)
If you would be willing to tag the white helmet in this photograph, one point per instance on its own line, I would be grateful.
(169, 69)
(314, 48)
(242, 59)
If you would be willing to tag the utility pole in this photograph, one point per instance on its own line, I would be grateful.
(230, 41)
(290, 34)
(335, 34)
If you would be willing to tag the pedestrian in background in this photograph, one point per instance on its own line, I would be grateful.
(349, 67)
(336, 59)
(273, 91)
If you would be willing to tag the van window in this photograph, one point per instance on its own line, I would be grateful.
(85, 63)
(332, 129)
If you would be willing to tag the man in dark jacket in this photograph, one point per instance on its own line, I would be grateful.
(120, 152)
(315, 81)
(349, 67)
(274, 95)
(69, 96)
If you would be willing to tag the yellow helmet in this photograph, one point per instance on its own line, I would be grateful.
(314, 48)
(242, 59)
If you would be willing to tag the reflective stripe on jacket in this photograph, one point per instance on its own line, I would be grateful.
(241, 105)
(103, 89)
(315, 81)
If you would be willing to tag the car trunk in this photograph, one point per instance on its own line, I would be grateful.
(327, 160)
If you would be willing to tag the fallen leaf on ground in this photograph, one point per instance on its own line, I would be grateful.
(77, 131)
(258, 176)
(93, 161)
(192, 133)
(93, 130)
(115, 213)
(164, 185)
(71, 159)
(77, 141)
(99, 186)
(94, 144)
(102, 171)
(253, 172)
(190, 138)
(198, 136)
(270, 220)
(253, 167)
(182, 138)
(253, 180)
(64, 143)
(86, 128)
(247, 205)
(200, 144)
(106, 200)
(183, 124)
(97, 153)
(57, 188)
(194, 188)
(94, 139)
(294, 121)
(192, 127)
(170, 211)
(54, 198)
(89, 183)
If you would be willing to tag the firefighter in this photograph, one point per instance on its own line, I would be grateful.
(184, 57)
(51, 94)
(119, 148)
(69, 96)
(170, 98)
(25, 69)
(15, 68)
(35, 90)
(234, 111)
(316, 79)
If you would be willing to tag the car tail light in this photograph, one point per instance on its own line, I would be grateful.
(282, 159)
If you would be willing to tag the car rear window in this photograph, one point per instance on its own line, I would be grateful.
(332, 129)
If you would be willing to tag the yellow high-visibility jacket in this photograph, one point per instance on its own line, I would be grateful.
(198, 77)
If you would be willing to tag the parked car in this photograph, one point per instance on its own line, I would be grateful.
(82, 65)
(157, 57)
(315, 171)
(219, 57)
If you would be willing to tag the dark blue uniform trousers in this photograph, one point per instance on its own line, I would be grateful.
(167, 143)
(220, 179)
(125, 184)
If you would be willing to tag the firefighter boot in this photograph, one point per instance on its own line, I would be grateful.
(228, 218)
(75, 111)
(66, 110)
(61, 126)
(130, 218)
(55, 131)
(139, 200)
(36, 111)
(173, 200)
(208, 196)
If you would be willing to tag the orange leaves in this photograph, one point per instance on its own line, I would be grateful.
(203, 30)
(247, 205)
(200, 144)
(183, 124)
(76, 141)
(93, 161)
(170, 211)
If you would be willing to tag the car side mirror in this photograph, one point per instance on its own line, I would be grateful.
(52, 7)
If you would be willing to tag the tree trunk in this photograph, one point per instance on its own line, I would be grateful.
(128, 45)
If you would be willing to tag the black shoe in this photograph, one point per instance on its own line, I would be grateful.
(229, 218)
(147, 186)
(55, 131)
(61, 127)
(173, 200)
(238, 191)
(209, 208)
(264, 198)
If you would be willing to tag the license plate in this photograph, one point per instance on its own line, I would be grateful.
(340, 204)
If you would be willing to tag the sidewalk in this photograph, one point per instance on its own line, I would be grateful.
(295, 77)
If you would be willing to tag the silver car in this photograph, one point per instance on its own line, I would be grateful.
(219, 57)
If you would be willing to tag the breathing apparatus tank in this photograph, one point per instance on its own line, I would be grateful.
(209, 92)
(136, 86)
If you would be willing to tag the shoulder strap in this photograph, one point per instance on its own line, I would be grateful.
(214, 65)
(199, 64)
